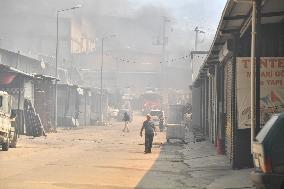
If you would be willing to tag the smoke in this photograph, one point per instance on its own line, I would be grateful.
(30, 26)
(127, 18)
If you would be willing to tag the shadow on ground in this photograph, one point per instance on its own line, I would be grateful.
(168, 171)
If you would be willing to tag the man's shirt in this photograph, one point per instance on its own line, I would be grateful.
(149, 127)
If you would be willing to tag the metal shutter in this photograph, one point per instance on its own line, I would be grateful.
(228, 110)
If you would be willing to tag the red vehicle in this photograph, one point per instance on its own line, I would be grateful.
(149, 101)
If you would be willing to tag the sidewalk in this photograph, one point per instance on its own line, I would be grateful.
(212, 171)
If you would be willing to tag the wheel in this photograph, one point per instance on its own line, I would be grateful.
(5, 146)
(13, 143)
(282, 186)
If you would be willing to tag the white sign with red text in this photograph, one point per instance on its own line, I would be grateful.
(271, 88)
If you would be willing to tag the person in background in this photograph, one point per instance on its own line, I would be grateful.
(161, 122)
(126, 119)
(150, 131)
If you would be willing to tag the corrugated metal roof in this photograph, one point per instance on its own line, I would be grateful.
(235, 17)
(45, 77)
(6, 68)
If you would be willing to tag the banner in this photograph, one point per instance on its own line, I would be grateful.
(271, 89)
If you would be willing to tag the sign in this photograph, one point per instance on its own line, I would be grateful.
(271, 89)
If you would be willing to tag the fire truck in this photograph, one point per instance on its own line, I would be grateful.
(150, 101)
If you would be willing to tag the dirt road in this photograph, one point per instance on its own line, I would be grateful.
(90, 158)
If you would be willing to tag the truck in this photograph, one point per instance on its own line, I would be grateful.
(149, 101)
(8, 136)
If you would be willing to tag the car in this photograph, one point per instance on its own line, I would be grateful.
(155, 115)
(114, 113)
(268, 155)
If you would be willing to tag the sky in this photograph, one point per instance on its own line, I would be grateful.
(184, 16)
(137, 25)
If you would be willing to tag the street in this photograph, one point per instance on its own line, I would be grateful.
(92, 157)
(105, 157)
(72, 72)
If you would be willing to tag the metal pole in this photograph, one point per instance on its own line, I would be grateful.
(101, 93)
(163, 53)
(253, 34)
(164, 44)
(18, 54)
(117, 72)
(233, 100)
(85, 108)
(56, 71)
(257, 66)
(191, 68)
(19, 116)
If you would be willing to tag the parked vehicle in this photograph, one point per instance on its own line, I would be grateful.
(150, 100)
(8, 136)
(155, 116)
(113, 113)
(268, 155)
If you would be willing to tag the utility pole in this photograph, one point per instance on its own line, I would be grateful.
(101, 89)
(164, 44)
(56, 58)
(197, 31)
(117, 72)
(56, 71)
(101, 93)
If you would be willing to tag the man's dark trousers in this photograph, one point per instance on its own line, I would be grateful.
(148, 142)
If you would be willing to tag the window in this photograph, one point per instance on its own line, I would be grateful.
(155, 113)
(264, 131)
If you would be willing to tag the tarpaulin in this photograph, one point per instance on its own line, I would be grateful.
(6, 78)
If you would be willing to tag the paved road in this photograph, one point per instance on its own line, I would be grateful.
(90, 158)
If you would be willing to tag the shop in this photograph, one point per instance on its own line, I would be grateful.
(223, 83)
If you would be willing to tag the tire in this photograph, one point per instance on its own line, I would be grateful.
(13, 143)
(5, 146)
(282, 186)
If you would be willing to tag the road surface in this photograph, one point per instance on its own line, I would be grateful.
(92, 157)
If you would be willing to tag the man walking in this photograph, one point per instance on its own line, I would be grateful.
(149, 133)
(126, 119)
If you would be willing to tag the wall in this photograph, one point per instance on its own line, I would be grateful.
(196, 106)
